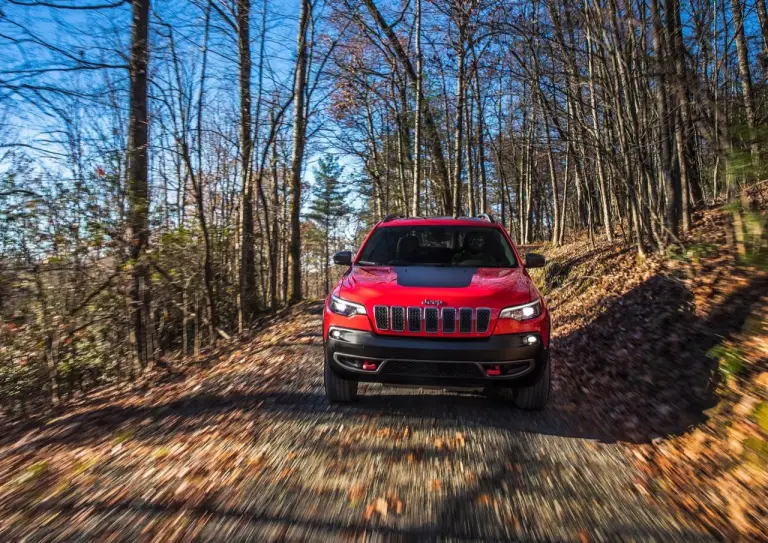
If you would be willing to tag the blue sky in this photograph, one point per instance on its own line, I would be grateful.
(103, 36)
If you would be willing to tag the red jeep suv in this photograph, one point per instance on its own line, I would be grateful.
(438, 302)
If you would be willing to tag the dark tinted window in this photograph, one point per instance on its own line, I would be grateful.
(462, 246)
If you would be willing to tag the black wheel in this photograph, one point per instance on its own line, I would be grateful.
(536, 395)
(338, 389)
(532, 397)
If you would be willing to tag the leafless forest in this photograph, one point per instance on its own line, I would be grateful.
(172, 172)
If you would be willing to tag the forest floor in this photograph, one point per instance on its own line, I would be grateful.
(242, 445)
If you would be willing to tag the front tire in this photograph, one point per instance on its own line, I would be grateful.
(338, 389)
(532, 397)
(536, 395)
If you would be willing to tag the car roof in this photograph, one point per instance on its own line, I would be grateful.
(438, 221)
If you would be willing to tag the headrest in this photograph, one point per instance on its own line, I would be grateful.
(407, 245)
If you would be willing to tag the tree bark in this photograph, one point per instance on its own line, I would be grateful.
(297, 157)
(273, 247)
(665, 128)
(552, 179)
(461, 93)
(247, 301)
(605, 207)
(480, 139)
(417, 119)
(742, 51)
(762, 17)
(138, 186)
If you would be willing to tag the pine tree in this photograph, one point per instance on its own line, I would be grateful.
(329, 203)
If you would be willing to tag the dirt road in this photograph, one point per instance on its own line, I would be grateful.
(249, 449)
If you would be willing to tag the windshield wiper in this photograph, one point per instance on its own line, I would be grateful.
(366, 263)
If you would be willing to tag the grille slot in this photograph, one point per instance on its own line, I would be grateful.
(398, 319)
(381, 314)
(449, 320)
(483, 320)
(414, 319)
(465, 320)
(431, 319)
(430, 369)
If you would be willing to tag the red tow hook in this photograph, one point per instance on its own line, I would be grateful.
(494, 371)
(369, 366)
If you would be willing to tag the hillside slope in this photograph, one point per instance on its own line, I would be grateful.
(671, 353)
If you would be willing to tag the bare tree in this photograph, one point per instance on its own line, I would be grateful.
(299, 141)
(138, 185)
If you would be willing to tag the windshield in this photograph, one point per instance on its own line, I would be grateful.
(457, 246)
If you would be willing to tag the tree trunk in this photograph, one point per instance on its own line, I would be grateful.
(297, 157)
(273, 247)
(404, 147)
(327, 255)
(553, 180)
(480, 139)
(665, 129)
(247, 301)
(744, 73)
(596, 135)
(138, 191)
(417, 119)
(461, 94)
(762, 17)
(472, 200)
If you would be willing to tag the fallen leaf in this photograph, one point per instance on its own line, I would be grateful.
(484, 499)
(381, 507)
(369, 511)
(398, 507)
(356, 494)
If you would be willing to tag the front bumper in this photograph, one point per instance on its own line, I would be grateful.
(499, 360)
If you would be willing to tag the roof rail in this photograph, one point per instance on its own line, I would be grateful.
(486, 217)
(394, 216)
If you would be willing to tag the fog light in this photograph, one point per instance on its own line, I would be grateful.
(335, 334)
(531, 340)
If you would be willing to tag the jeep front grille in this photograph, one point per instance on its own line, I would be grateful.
(448, 320)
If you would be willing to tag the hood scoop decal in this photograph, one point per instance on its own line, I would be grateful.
(435, 277)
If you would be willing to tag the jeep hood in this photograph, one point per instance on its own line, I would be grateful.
(493, 288)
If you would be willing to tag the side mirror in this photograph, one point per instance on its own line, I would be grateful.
(533, 260)
(343, 258)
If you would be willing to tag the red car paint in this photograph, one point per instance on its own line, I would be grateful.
(492, 288)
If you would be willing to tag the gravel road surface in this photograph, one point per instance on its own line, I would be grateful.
(250, 450)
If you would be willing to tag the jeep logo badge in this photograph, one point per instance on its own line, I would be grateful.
(432, 302)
